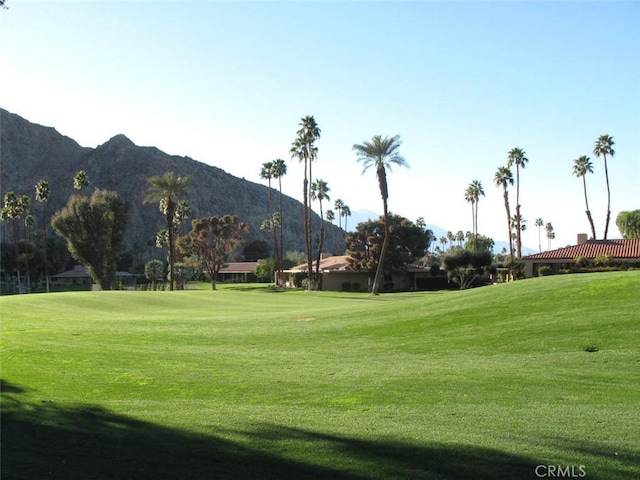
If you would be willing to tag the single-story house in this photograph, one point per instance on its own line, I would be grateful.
(336, 274)
(618, 250)
(79, 275)
(238, 272)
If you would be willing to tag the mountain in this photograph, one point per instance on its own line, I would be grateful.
(30, 152)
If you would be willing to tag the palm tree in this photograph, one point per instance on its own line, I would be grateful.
(42, 196)
(168, 190)
(320, 191)
(503, 178)
(472, 195)
(278, 171)
(339, 205)
(346, 212)
(459, 237)
(539, 223)
(550, 234)
(443, 242)
(266, 173)
(330, 215)
(517, 156)
(303, 148)
(14, 208)
(80, 180)
(451, 237)
(381, 153)
(582, 166)
(604, 146)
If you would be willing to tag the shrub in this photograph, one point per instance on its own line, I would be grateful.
(346, 286)
(544, 270)
(581, 261)
(602, 260)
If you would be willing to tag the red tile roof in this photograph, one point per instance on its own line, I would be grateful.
(619, 249)
(239, 267)
(333, 263)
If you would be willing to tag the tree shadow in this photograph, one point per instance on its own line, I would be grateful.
(47, 441)
(265, 288)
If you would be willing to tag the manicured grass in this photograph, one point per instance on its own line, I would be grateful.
(252, 382)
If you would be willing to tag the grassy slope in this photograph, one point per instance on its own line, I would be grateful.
(247, 383)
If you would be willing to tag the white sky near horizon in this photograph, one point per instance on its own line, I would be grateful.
(461, 82)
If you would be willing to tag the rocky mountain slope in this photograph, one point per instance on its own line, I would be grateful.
(30, 152)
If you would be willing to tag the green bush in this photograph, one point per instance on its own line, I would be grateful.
(544, 270)
(581, 261)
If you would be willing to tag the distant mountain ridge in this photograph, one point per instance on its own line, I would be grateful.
(30, 152)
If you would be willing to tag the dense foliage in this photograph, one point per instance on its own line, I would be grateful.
(407, 242)
(94, 230)
(464, 266)
(629, 224)
(213, 239)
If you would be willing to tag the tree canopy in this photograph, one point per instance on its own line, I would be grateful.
(407, 242)
(94, 230)
(464, 266)
(629, 224)
(214, 239)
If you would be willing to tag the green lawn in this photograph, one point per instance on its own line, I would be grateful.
(250, 382)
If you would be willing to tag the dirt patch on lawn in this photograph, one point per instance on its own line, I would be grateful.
(305, 319)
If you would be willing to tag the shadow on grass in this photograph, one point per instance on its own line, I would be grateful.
(45, 441)
(266, 288)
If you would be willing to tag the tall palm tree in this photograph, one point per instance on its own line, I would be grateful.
(42, 196)
(551, 234)
(346, 212)
(381, 153)
(266, 173)
(279, 170)
(303, 147)
(539, 223)
(603, 147)
(330, 215)
(451, 237)
(503, 178)
(320, 191)
(459, 237)
(472, 195)
(517, 157)
(443, 242)
(168, 190)
(339, 205)
(582, 166)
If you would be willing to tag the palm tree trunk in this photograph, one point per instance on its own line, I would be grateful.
(44, 245)
(588, 212)
(320, 242)
(518, 237)
(312, 277)
(281, 256)
(379, 269)
(170, 223)
(506, 206)
(306, 230)
(606, 175)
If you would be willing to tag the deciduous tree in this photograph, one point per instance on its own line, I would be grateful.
(214, 239)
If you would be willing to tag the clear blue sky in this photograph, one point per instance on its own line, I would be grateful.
(462, 83)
